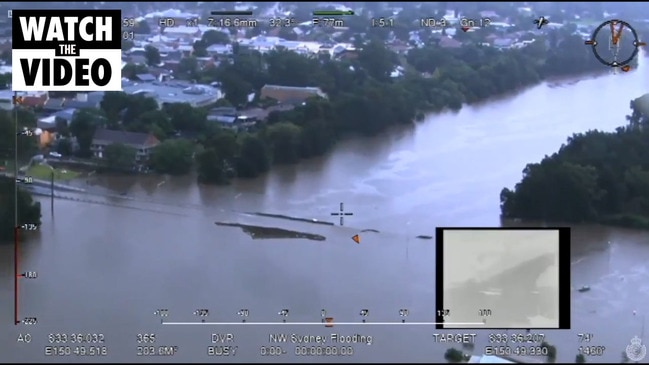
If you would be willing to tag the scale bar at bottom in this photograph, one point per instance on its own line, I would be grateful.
(323, 323)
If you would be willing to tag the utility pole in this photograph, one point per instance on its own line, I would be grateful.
(52, 192)
(16, 161)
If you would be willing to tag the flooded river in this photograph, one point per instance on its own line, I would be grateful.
(106, 269)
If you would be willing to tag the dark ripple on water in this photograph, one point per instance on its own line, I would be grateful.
(259, 232)
(296, 219)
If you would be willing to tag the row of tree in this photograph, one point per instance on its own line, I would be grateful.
(595, 177)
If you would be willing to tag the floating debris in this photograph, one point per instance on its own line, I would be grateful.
(297, 219)
(258, 232)
(370, 230)
(423, 237)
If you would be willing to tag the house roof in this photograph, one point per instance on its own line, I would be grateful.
(224, 110)
(107, 136)
(448, 42)
(225, 119)
(145, 77)
(54, 104)
(80, 104)
(287, 94)
(262, 114)
(66, 114)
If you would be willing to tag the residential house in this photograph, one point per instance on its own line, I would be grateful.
(85, 100)
(261, 115)
(229, 118)
(136, 51)
(36, 99)
(290, 94)
(216, 50)
(53, 105)
(448, 42)
(145, 77)
(49, 125)
(348, 54)
(135, 59)
(65, 115)
(142, 142)
(182, 32)
(171, 66)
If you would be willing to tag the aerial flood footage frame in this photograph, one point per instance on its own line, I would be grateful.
(505, 278)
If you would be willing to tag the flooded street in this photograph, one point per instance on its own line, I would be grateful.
(106, 269)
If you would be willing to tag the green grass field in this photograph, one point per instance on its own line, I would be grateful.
(44, 172)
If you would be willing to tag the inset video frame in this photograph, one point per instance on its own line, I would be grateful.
(554, 299)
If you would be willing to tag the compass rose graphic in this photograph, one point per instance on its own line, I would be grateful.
(615, 43)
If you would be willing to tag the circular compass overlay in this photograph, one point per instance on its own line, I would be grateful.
(615, 43)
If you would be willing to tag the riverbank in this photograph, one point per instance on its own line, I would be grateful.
(598, 177)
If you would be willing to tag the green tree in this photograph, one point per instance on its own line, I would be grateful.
(596, 177)
(127, 44)
(113, 103)
(284, 142)
(152, 121)
(119, 157)
(188, 67)
(138, 105)
(62, 127)
(215, 37)
(377, 60)
(29, 211)
(254, 158)
(580, 359)
(5, 81)
(27, 145)
(223, 141)
(236, 89)
(142, 28)
(64, 147)
(5, 55)
(152, 55)
(184, 117)
(173, 157)
(83, 126)
(131, 70)
(212, 168)
(453, 355)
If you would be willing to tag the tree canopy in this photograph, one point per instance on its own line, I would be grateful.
(595, 177)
